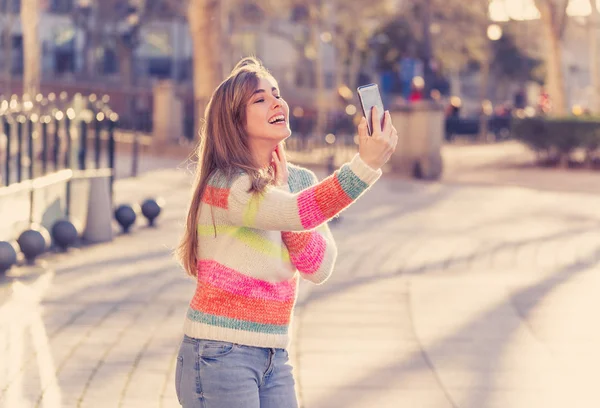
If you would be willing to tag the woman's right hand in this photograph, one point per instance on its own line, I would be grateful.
(376, 150)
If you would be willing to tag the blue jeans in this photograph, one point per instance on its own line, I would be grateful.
(216, 374)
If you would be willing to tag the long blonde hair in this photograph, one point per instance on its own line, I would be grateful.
(223, 147)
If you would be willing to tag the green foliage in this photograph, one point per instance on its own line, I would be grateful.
(392, 41)
(559, 136)
(512, 63)
(459, 36)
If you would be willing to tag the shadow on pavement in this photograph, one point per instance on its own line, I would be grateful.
(485, 383)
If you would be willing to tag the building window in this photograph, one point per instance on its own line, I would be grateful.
(329, 80)
(109, 61)
(10, 6)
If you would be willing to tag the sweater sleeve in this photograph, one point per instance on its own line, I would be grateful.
(278, 210)
(313, 253)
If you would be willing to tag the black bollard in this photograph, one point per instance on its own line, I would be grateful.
(32, 244)
(125, 216)
(64, 234)
(8, 256)
(151, 210)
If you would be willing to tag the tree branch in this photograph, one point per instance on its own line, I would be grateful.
(299, 45)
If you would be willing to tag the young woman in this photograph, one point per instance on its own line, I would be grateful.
(256, 225)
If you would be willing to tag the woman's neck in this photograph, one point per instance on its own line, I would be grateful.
(262, 153)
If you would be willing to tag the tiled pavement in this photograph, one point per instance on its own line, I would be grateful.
(443, 296)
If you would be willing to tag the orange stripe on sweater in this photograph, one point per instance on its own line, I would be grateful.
(209, 299)
(296, 241)
(328, 193)
(216, 196)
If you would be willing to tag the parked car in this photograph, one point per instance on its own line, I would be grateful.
(498, 125)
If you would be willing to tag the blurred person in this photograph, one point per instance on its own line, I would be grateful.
(453, 108)
(417, 89)
(520, 99)
(255, 226)
(544, 102)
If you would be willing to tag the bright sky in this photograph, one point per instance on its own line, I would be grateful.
(503, 10)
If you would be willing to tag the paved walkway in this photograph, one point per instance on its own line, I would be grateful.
(444, 296)
(451, 296)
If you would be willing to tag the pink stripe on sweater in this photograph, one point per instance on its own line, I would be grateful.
(309, 211)
(232, 281)
(310, 259)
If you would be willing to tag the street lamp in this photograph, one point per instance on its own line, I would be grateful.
(129, 33)
(493, 33)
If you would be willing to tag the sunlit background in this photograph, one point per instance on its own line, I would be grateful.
(455, 293)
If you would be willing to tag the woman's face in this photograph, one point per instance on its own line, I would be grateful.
(267, 114)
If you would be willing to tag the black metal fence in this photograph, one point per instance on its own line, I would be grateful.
(46, 134)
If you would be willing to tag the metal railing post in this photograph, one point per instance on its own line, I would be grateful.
(82, 144)
(6, 129)
(44, 145)
(112, 122)
(30, 147)
(20, 149)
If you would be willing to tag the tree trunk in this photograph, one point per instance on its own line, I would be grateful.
(485, 79)
(225, 43)
(555, 78)
(354, 68)
(206, 36)
(89, 56)
(340, 74)
(594, 22)
(8, 55)
(341, 62)
(315, 41)
(553, 20)
(126, 72)
(32, 52)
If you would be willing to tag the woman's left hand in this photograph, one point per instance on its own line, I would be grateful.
(280, 166)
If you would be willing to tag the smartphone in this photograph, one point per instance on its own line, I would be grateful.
(369, 96)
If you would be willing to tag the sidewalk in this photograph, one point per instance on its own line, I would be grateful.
(444, 295)
(452, 296)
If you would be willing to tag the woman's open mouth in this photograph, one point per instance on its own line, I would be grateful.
(277, 120)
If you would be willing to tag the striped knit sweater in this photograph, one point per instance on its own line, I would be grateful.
(251, 258)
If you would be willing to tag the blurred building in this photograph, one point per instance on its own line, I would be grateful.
(165, 49)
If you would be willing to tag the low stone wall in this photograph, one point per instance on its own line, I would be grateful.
(39, 201)
(47, 199)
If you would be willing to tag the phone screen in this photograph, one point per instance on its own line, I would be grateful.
(369, 96)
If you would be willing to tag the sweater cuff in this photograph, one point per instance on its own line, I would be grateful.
(363, 171)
